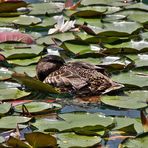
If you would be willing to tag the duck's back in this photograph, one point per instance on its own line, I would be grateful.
(80, 78)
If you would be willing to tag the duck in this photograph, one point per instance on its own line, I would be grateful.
(78, 78)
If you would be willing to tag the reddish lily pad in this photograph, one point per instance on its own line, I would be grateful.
(16, 37)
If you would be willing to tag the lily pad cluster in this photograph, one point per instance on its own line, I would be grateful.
(109, 33)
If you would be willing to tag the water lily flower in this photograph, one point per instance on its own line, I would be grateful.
(61, 25)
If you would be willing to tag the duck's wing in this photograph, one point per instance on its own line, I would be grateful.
(64, 77)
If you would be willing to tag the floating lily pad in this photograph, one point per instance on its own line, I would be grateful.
(125, 123)
(27, 20)
(33, 83)
(130, 100)
(11, 94)
(38, 139)
(4, 108)
(137, 79)
(24, 62)
(61, 36)
(46, 8)
(17, 52)
(78, 122)
(5, 73)
(10, 122)
(87, 12)
(139, 141)
(10, 6)
(67, 140)
(29, 70)
(36, 107)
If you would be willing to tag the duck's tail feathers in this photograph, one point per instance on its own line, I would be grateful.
(115, 86)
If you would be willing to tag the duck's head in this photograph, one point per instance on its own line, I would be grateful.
(47, 65)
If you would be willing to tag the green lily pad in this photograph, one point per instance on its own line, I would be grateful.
(10, 122)
(131, 100)
(36, 107)
(137, 79)
(5, 108)
(21, 52)
(75, 122)
(127, 47)
(2, 139)
(140, 141)
(5, 73)
(128, 125)
(87, 12)
(29, 70)
(38, 139)
(33, 83)
(117, 28)
(11, 94)
(61, 36)
(45, 8)
(27, 20)
(24, 62)
(67, 140)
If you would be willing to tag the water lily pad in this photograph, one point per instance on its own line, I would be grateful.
(24, 62)
(67, 140)
(38, 139)
(87, 12)
(46, 8)
(133, 78)
(61, 36)
(14, 142)
(33, 83)
(21, 52)
(4, 108)
(130, 100)
(139, 141)
(125, 123)
(16, 37)
(10, 122)
(76, 122)
(5, 73)
(11, 94)
(10, 6)
(36, 107)
(29, 70)
(27, 20)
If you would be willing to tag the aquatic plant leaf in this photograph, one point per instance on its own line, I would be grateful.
(139, 141)
(46, 8)
(136, 79)
(33, 84)
(16, 37)
(11, 94)
(67, 140)
(11, 5)
(10, 122)
(27, 20)
(4, 108)
(38, 139)
(36, 107)
(14, 142)
(130, 100)
(5, 73)
(75, 122)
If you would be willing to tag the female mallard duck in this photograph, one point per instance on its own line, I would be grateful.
(79, 78)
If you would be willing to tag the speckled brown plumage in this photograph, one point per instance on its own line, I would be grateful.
(81, 78)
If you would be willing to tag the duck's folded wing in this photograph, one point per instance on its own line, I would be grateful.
(66, 78)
